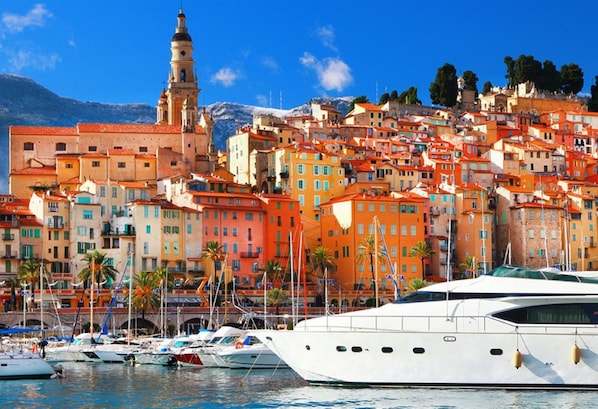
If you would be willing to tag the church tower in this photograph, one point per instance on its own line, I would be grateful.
(182, 81)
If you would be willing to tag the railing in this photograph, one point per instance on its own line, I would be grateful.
(250, 254)
(8, 236)
(9, 254)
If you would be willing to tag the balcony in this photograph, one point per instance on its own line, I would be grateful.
(271, 178)
(9, 254)
(8, 236)
(284, 174)
(250, 254)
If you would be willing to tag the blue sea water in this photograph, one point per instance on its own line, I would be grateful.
(124, 386)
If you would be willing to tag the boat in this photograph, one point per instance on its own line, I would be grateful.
(20, 360)
(202, 352)
(64, 351)
(511, 328)
(116, 351)
(247, 353)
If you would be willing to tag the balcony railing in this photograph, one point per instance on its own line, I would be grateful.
(8, 236)
(284, 174)
(250, 254)
(9, 254)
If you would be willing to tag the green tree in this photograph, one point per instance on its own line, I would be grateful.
(571, 79)
(527, 68)
(443, 91)
(272, 270)
(510, 75)
(359, 100)
(416, 284)
(394, 95)
(367, 253)
(487, 87)
(551, 77)
(471, 81)
(320, 260)
(467, 265)
(276, 297)
(409, 97)
(29, 272)
(593, 102)
(97, 270)
(213, 251)
(145, 298)
(422, 250)
(384, 98)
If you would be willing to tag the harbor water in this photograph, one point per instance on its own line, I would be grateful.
(124, 386)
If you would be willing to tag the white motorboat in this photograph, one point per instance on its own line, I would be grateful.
(247, 353)
(23, 361)
(155, 352)
(202, 354)
(64, 351)
(117, 351)
(502, 330)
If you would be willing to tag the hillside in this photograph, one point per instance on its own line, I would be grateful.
(25, 102)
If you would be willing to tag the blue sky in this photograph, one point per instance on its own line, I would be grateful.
(280, 54)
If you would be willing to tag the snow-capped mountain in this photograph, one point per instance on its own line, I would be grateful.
(25, 102)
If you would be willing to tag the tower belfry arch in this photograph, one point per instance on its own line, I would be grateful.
(182, 87)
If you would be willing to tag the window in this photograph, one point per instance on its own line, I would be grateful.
(143, 149)
(28, 146)
(60, 146)
(92, 148)
(146, 164)
(87, 214)
(122, 165)
(95, 164)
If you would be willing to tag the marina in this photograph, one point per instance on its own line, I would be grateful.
(125, 386)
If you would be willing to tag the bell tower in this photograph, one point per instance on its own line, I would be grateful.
(182, 81)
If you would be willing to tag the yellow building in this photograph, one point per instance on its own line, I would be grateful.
(310, 176)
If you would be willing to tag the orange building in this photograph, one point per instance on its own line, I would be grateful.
(348, 220)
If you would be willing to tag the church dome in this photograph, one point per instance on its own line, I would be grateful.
(181, 37)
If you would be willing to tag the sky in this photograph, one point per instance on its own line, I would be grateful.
(280, 54)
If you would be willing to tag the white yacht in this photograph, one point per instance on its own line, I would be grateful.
(64, 351)
(248, 353)
(512, 328)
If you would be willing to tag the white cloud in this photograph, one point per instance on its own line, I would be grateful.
(23, 59)
(262, 100)
(225, 76)
(36, 17)
(326, 36)
(333, 73)
(270, 63)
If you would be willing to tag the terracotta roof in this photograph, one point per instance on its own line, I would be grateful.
(43, 130)
(129, 128)
(46, 170)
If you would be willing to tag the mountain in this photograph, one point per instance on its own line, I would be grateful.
(25, 102)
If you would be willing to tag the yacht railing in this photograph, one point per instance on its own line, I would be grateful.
(439, 324)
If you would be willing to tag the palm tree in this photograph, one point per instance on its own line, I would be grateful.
(144, 294)
(213, 251)
(276, 297)
(272, 270)
(467, 265)
(422, 250)
(320, 260)
(416, 284)
(366, 253)
(29, 272)
(96, 272)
